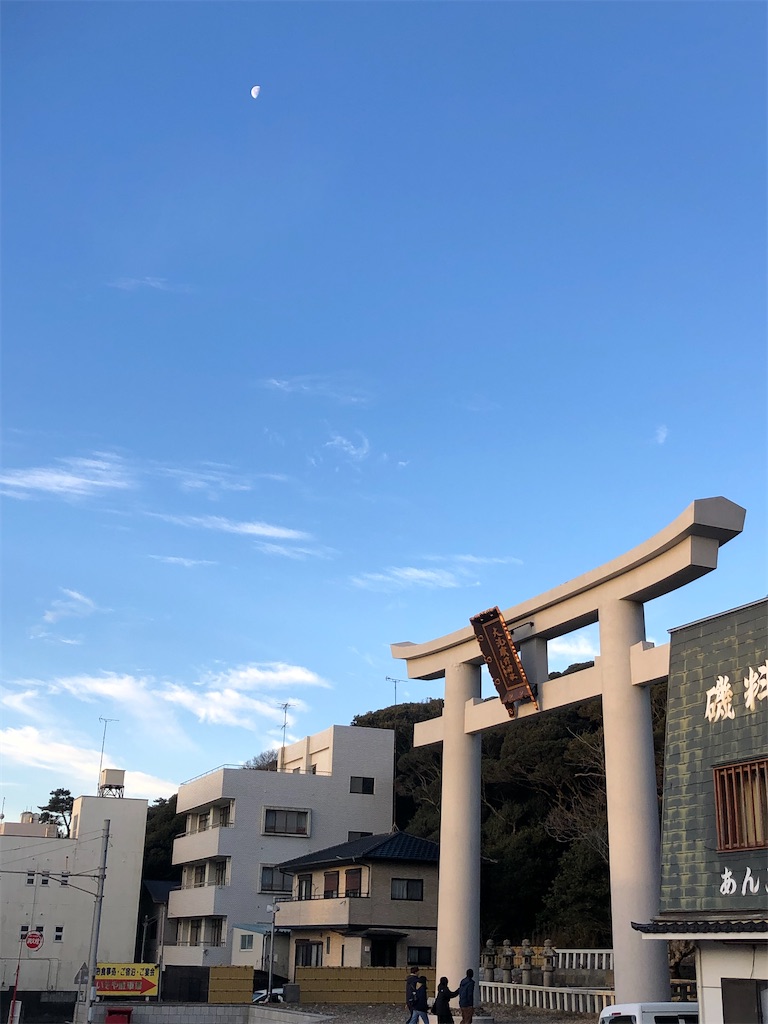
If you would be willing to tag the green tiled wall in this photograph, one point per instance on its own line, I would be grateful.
(692, 869)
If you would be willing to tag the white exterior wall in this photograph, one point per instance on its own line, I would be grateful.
(336, 754)
(55, 965)
(718, 960)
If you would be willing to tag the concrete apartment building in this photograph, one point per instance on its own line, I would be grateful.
(328, 788)
(48, 884)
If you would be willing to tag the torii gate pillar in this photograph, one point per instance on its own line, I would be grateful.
(612, 595)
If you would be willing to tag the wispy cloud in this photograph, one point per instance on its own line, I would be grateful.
(72, 605)
(210, 480)
(476, 559)
(245, 529)
(661, 434)
(401, 578)
(158, 284)
(71, 477)
(356, 452)
(579, 646)
(38, 748)
(187, 563)
(298, 554)
(24, 702)
(267, 675)
(335, 388)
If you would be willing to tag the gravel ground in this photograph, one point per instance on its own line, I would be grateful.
(394, 1013)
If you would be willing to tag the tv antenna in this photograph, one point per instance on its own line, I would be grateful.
(391, 679)
(106, 722)
(285, 705)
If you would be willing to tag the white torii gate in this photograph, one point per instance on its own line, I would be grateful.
(612, 595)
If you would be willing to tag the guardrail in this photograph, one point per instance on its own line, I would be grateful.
(544, 997)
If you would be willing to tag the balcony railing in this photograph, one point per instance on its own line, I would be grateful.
(206, 828)
(197, 942)
(356, 895)
(202, 885)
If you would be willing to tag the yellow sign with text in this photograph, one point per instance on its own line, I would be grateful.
(137, 980)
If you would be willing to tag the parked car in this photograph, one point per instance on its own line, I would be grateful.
(261, 996)
(650, 1013)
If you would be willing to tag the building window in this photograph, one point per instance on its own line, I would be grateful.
(352, 836)
(220, 872)
(58, 934)
(215, 931)
(407, 889)
(199, 878)
(361, 784)
(420, 955)
(246, 942)
(64, 880)
(274, 880)
(741, 805)
(45, 877)
(195, 931)
(225, 816)
(203, 821)
(286, 822)
(330, 885)
(23, 932)
(353, 882)
(30, 878)
(309, 954)
(305, 887)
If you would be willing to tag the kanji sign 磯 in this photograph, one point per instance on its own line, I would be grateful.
(126, 979)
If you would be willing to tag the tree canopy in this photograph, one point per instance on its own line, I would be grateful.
(58, 810)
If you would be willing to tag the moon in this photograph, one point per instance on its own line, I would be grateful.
(255, 91)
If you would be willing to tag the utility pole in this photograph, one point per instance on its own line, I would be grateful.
(93, 956)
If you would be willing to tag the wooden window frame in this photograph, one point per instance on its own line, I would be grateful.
(741, 805)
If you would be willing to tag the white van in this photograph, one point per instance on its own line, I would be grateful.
(650, 1013)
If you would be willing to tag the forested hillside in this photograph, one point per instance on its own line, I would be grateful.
(544, 830)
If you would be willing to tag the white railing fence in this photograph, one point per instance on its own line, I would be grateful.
(566, 1000)
(584, 959)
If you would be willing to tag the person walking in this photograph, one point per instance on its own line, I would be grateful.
(467, 997)
(420, 1003)
(410, 987)
(442, 1003)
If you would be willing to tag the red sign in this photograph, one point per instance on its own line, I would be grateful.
(34, 940)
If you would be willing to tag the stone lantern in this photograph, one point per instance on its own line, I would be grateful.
(507, 960)
(489, 960)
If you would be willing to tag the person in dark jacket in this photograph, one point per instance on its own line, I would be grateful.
(467, 997)
(410, 987)
(442, 1003)
(420, 1003)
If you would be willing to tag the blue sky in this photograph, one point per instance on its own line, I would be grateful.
(470, 300)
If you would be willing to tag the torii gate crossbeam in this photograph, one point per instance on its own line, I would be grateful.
(612, 595)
